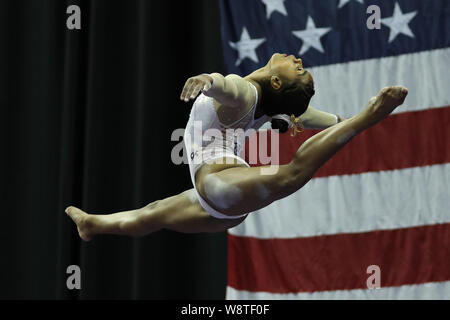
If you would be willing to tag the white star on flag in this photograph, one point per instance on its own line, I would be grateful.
(398, 23)
(274, 5)
(311, 36)
(344, 2)
(246, 47)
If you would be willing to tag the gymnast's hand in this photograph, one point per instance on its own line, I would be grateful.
(194, 85)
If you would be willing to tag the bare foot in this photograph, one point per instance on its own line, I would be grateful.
(384, 103)
(83, 222)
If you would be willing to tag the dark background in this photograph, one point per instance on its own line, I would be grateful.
(86, 120)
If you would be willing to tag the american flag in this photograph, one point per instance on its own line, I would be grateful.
(384, 199)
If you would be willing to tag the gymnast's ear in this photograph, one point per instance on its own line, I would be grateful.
(275, 82)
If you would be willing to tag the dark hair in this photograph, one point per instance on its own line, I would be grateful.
(292, 98)
(279, 124)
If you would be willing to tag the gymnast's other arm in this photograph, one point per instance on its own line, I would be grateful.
(313, 118)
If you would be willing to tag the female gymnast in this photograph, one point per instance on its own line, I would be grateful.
(226, 189)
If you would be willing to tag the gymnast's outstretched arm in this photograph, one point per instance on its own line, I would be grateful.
(231, 91)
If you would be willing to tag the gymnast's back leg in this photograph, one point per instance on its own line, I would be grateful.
(237, 190)
(182, 213)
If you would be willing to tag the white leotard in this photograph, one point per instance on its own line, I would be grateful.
(203, 147)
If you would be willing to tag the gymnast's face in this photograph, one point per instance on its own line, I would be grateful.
(289, 69)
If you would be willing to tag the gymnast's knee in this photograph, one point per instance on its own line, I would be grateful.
(151, 205)
(295, 176)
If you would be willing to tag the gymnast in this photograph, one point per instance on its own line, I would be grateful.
(226, 189)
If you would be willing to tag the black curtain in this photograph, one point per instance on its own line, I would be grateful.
(86, 120)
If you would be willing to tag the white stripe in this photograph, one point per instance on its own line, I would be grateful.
(356, 203)
(426, 291)
(345, 88)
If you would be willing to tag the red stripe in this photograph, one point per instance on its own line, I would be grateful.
(339, 262)
(405, 140)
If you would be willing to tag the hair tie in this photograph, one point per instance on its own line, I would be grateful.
(292, 122)
(296, 123)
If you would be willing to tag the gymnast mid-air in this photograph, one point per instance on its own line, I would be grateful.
(226, 189)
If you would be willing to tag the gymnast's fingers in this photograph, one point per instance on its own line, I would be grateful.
(196, 90)
(191, 89)
(186, 89)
